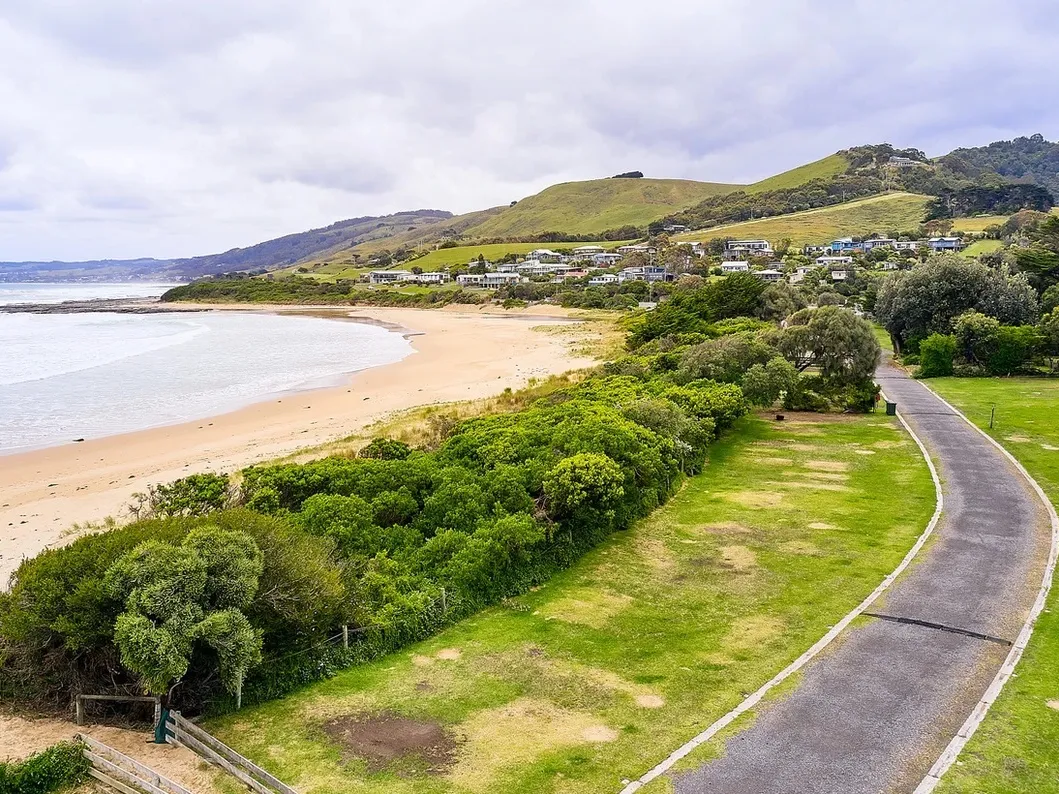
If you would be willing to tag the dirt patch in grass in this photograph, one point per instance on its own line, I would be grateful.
(760, 499)
(738, 558)
(753, 631)
(799, 547)
(826, 465)
(888, 444)
(650, 701)
(817, 475)
(384, 739)
(865, 452)
(813, 484)
(448, 654)
(517, 735)
(587, 606)
(724, 527)
(821, 525)
(655, 552)
(1019, 439)
(768, 461)
(1053, 704)
(792, 446)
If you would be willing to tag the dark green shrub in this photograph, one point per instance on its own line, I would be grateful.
(1014, 349)
(936, 354)
(386, 449)
(59, 767)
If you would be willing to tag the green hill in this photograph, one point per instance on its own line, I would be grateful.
(889, 212)
(832, 165)
(596, 206)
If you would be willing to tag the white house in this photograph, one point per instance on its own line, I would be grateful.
(471, 279)
(735, 267)
(605, 259)
(434, 277)
(507, 267)
(501, 279)
(946, 243)
(388, 276)
(546, 255)
(800, 273)
(839, 275)
(603, 279)
(769, 275)
(827, 261)
(534, 267)
(566, 275)
(586, 251)
(908, 245)
(639, 248)
(878, 242)
(758, 246)
(674, 228)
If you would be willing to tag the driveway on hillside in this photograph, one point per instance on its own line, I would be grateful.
(873, 712)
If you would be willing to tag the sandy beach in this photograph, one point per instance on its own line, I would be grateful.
(461, 353)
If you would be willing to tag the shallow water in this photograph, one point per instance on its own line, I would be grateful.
(70, 376)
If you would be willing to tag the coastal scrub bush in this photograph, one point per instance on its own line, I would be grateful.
(936, 354)
(195, 495)
(59, 767)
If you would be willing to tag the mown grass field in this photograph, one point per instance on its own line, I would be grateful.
(598, 675)
(832, 165)
(1017, 747)
(889, 212)
(597, 205)
(979, 247)
(978, 223)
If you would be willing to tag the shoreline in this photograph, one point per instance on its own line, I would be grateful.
(457, 355)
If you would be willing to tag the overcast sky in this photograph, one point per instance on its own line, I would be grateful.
(180, 127)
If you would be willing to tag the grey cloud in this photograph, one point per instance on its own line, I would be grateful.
(182, 127)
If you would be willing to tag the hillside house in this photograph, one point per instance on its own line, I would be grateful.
(809, 250)
(800, 273)
(603, 279)
(674, 228)
(606, 259)
(569, 275)
(586, 252)
(828, 261)
(546, 255)
(640, 248)
(946, 244)
(756, 246)
(534, 267)
(471, 279)
(903, 162)
(493, 280)
(649, 273)
(388, 276)
(878, 242)
(769, 275)
(735, 267)
(434, 277)
(845, 245)
(840, 275)
(908, 245)
(507, 267)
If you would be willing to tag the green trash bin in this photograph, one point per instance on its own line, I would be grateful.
(891, 408)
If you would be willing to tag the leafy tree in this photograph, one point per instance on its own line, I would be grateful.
(779, 301)
(913, 304)
(385, 449)
(176, 596)
(834, 340)
(766, 384)
(725, 359)
(976, 337)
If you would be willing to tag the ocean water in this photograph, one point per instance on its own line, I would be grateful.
(58, 293)
(70, 376)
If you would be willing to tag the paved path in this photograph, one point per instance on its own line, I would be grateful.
(873, 713)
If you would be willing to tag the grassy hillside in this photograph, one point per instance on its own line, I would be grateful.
(889, 212)
(597, 205)
(832, 165)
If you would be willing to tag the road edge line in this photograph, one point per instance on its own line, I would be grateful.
(973, 722)
(753, 699)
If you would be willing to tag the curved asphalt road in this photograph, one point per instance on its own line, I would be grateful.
(873, 713)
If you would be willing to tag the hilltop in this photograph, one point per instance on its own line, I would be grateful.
(997, 179)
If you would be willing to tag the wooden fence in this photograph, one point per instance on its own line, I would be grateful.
(122, 773)
(80, 700)
(183, 732)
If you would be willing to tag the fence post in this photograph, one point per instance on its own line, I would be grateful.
(345, 636)
(239, 694)
(79, 712)
(992, 416)
(444, 602)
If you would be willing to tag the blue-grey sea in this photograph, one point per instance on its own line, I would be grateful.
(70, 376)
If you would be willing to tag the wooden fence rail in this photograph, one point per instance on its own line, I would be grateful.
(122, 773)
(182, 731)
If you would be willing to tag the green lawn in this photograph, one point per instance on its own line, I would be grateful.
(979, 247)
(889, 212)
(601, 673)
(1017, 747)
